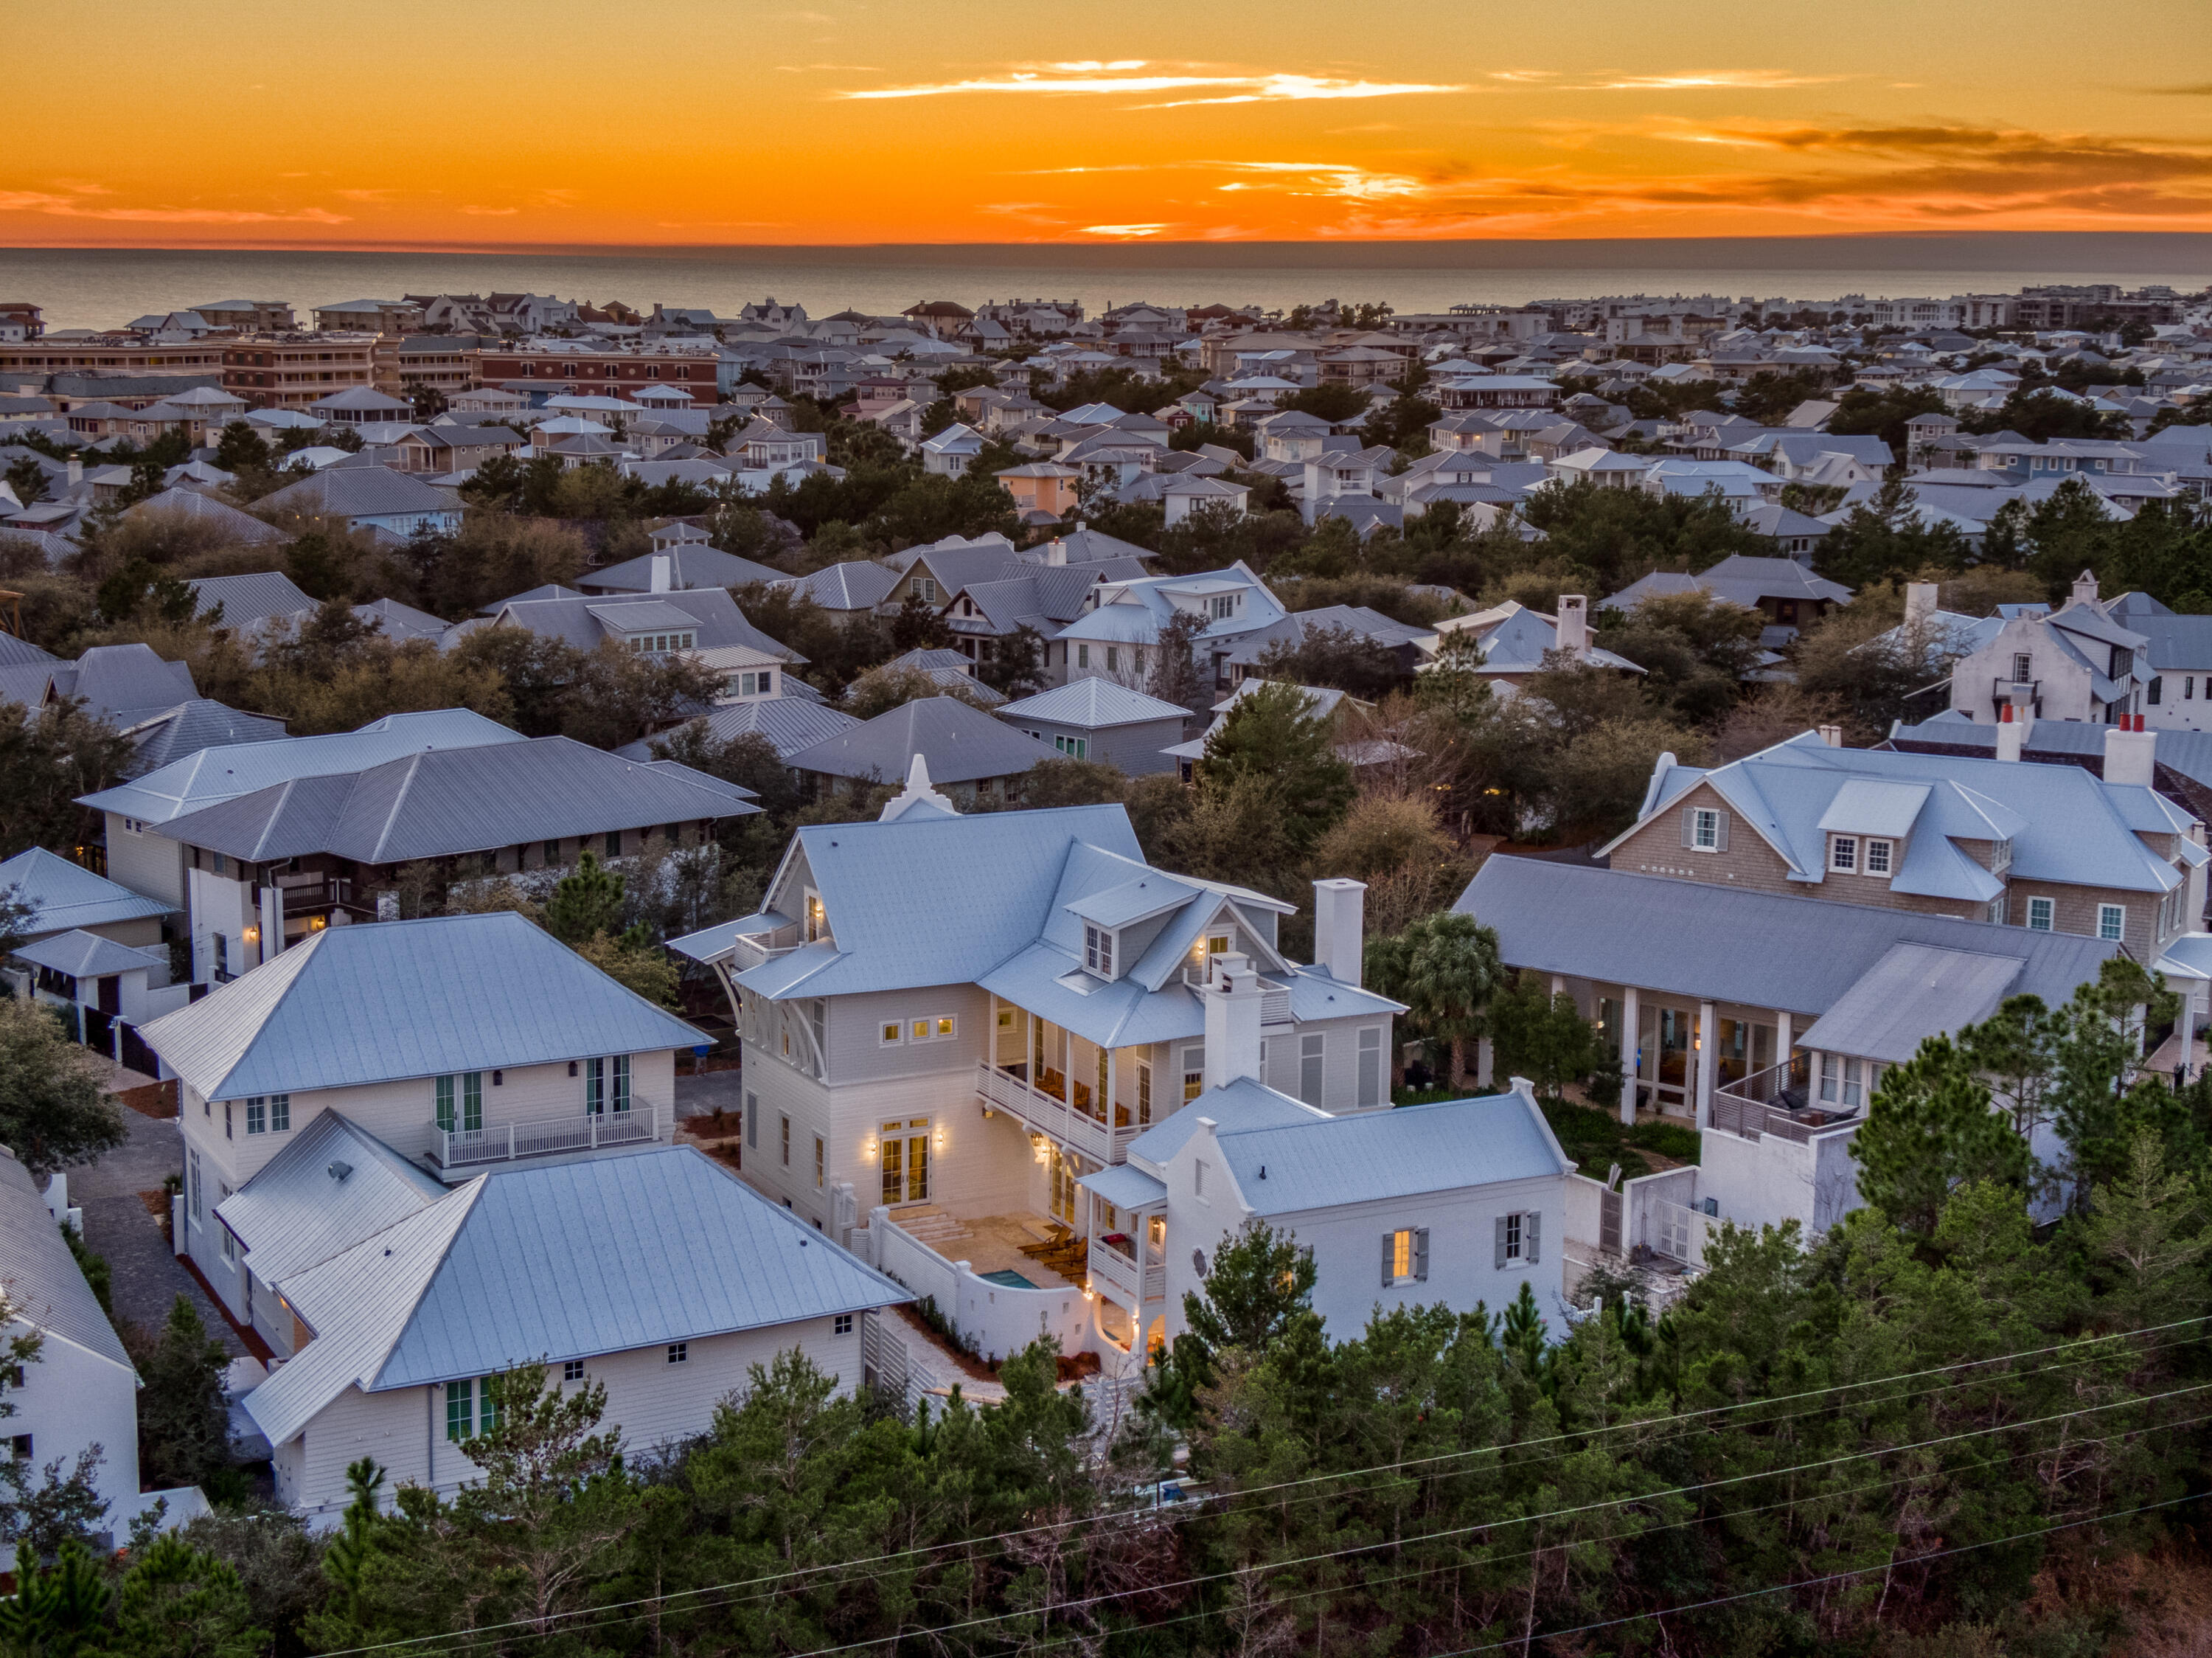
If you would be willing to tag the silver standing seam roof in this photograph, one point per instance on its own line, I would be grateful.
(1914, 992)
(332, 1185)
(253, 598)
(43, 1278)
(962, 744)
(789, 722)
(399, 999)
(64, 895)
(541, 1265)
(87, 955)
(1093, 703)
(1702, 942)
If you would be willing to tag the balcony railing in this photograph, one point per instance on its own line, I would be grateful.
(1113, 1268)
(546, 1136)
(1046, 1111)
(751, 949)
(1777, 1101)
(1274, 999)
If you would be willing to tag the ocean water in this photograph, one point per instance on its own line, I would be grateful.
(103, 287)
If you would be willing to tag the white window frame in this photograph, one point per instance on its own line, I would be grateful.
(679, 1352)
(1516, 1235)
(1844, 855)
(2042, 915)
(890, 1032)
(1881, 857)
(2112, 923)
(842, 1324)
(1704, 829)
(1098, 944)
(1408, 1247)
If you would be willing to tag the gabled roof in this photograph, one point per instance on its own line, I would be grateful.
(1686, 938)
(402, 999)
(789, 722)
(710, 612)
(253, 598)
(1093, 704)
(87, 955)
(360, 492)
(1740, 579)
(855, 584)
(201, 779)
(688, 566)
(1242, 1104)
(65, 896)
(961, 743)
(2065, 825)
(333, 1185)
(197, 723)
(43, 1278)
(1450, 1145)
(446, 802)
(242, 527)
(124, 684)
(529, 1263)
(1914, 992)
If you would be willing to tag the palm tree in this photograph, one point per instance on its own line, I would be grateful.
(1444, 967)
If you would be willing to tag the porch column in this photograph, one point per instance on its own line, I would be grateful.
(991, 1033)
(1783, 1036)
(1631, 1051)
(1112, 1089)
(1708, 1056)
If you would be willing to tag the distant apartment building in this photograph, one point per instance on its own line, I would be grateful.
(32, 360)
(292, 370)
(568, 365)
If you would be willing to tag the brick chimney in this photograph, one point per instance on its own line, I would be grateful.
(1341, 928)
(2130, 753)
(1233, 1020)
(1574, 624)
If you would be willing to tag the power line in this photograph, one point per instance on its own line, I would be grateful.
(462, 1638)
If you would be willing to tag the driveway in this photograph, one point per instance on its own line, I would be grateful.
(148, 1278)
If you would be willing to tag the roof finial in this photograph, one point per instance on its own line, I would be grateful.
(917, 792)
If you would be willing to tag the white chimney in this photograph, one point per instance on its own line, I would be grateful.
(2131, 756)
(1919, 603)
(661, 576)
(1574, 623)
(2085, 588)
(1233, 1020)
(2012, 731)
(76, 472)
(1055, 551)
(1833, 735)
(1341, 928)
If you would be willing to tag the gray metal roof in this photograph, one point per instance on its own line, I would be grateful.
(1125, 1185)
(790, 723)
(454, 801)
(199, 723)
(42, 1277)
(2062, 741)
(359, 492)
(253, 598)
(1093, 703)
(1245, 1103)
(1699, 940)
(66, 895)
(688, 567)
(545, 1264)
(709, 612)
(87, 955)
(390, 1000)
(1914, 992)
(2065, 825)
(961, 743)
(242, 527)
(857, 584)
(21, 653)
(1446, 1147)
(332, 1185)
(209, 775)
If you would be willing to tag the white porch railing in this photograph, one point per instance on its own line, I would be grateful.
(1110, 1270)
(544, 1136)
(751, 950)
(1054, 1117)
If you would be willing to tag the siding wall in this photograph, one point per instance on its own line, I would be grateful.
(149, 863)
(71, 1398)
(1134, 748)
(652, 1401)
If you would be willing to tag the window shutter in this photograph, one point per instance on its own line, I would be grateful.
(1421, 1254)
(1532, 1236)
(1389, 1250)
(1689, 827)
(1499, 1232)
(1720, 831)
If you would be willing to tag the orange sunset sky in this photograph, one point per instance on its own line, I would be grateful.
(487, 123)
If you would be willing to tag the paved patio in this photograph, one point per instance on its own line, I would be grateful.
(989, 1243)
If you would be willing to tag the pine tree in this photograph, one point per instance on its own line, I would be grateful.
(584, 904)
(1930, 1129)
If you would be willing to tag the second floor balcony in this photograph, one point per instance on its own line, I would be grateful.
(466, 1148)
(1779, 1101)
(1070, 1114)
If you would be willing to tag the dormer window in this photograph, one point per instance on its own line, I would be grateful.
(1098, 950)
(817, 920)
(1221, 606)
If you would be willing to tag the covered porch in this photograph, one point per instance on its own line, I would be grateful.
(1128, 1253)
(1084, 1097)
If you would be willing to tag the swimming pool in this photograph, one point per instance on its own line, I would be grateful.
(1008, 1278)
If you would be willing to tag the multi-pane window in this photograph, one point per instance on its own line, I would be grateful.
(1370, 1066)
(2111, 922)
(572, 1370)
(1513, 1236)
(1098, 950)
(607, 1082)
(1879, 856)
(1843, 1082)
(1194, 1074)
(821, 1163)
(1406, 1255)
(460, 1411)
(257, 1114)
(193, 1184)
(905, 1156)
(842, 1324)
(1309, 1067)
(787, 1141)
(1144, 1093)
(679, 1352)
(1844, 855)
(2042, 915)
(459, 1101)
(1705, 829)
